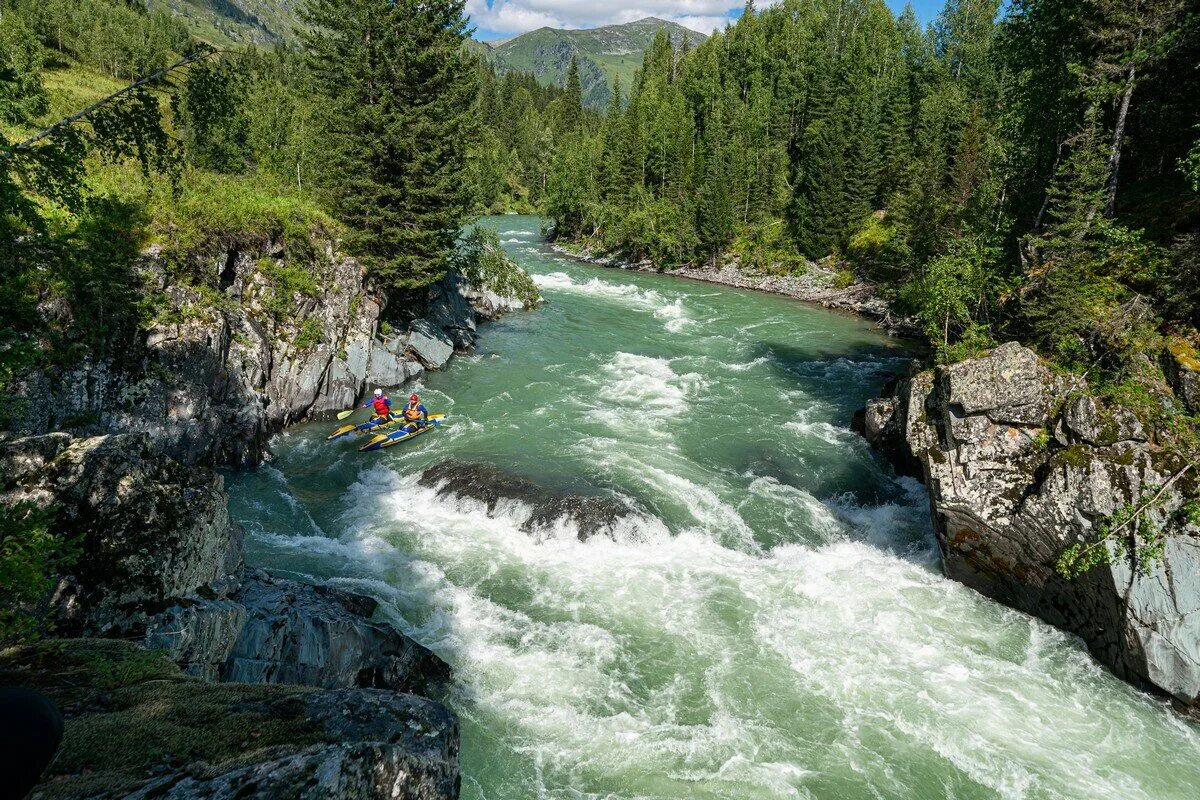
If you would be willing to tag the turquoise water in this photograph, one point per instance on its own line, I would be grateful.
(770, 622)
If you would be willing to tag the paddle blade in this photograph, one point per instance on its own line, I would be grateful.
(345, 414)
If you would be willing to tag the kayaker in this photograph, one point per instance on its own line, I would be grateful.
(381, 404)
(415, 413)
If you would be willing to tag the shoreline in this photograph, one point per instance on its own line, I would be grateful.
(859, 299)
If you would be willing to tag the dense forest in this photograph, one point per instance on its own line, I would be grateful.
(1029, 172)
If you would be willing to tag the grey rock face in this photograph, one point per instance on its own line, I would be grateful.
(430, 345)
(150, 529)
(1020, 465)
(271, 631)
(210, 383)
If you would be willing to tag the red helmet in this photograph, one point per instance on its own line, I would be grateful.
(414, 399)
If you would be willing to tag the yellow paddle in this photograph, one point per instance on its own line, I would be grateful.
(345, 414)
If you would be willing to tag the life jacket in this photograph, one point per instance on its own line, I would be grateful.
(380, 404)
(412, 412)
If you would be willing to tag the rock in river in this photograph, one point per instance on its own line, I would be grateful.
(1021, 464)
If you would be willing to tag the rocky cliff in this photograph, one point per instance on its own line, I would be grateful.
(162, 566)
(1021, 464)
(247, 339)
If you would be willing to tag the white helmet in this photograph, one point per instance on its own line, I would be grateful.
(379, 392)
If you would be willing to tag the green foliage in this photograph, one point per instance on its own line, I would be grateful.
(878, 250)
(121, 38)
(953, 293)
(1190, 165)
(397, 91)
(210, 117)
(482, 261)
(31, 557)
(767, 248)
(22, 95)
(290, 282)
(309, 335)
(1132, 533)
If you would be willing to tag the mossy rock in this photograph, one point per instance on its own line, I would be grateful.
(131, 714)
(1184, 354)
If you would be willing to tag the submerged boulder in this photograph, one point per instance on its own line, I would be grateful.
(1020, 465)
(539, 510)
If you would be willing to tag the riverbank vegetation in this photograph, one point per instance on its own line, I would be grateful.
(1024, 173)
(1030, 173)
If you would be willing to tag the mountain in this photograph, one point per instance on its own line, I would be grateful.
(226, 22)
(604, 54)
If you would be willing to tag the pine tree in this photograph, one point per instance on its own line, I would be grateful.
(572, 100)
(398, 91)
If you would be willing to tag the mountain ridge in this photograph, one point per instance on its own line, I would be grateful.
(605, 54)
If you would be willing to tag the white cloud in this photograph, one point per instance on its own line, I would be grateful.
(517, 16)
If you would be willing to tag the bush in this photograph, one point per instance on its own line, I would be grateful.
(482, 261)
(877, 249)
(30, 559)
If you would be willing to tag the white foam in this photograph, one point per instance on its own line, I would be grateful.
(837, 665)
(646, 383)
(671, 310)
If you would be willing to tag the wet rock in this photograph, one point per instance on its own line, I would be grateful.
(270, 630)
(322, 636)
(542, 511)
(1021, 464)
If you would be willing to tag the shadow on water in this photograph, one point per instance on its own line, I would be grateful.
(847, 377)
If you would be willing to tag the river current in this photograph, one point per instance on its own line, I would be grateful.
(771, 622)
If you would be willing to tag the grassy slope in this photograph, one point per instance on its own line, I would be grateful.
(237, 22)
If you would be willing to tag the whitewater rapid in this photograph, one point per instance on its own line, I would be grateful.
(769, 621)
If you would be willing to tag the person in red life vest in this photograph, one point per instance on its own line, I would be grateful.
(415, 413)
(381, 404)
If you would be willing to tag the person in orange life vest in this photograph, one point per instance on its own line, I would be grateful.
(415, 413)
(381, 404)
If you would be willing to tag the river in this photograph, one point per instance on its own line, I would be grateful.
(771, 623)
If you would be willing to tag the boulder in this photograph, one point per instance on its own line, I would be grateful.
(542, 511)
(430, 344)
(1020, 464)
(271, 630)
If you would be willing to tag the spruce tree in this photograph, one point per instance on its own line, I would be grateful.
(572, 101)
(398, 90)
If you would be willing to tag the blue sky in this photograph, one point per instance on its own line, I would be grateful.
(498, 19)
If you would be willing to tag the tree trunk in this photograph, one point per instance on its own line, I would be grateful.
(1114, 158)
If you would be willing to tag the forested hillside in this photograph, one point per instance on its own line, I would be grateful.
(123, 133)
(1030, 173)
(605, 56)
